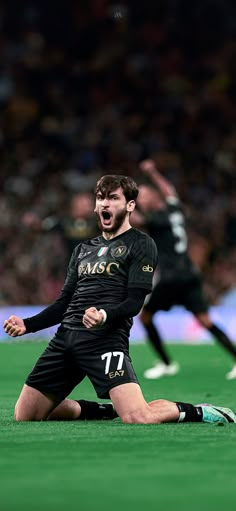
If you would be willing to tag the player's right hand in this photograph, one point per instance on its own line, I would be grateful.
(14, 326)
(92, 318)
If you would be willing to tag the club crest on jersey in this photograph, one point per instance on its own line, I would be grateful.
(119, 251)
(102, 251)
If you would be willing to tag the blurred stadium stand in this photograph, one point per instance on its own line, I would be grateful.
(88, 88)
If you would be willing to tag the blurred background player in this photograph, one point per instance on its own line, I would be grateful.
(179, 282)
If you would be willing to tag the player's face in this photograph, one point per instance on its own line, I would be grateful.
(149, 199)
(112, 210)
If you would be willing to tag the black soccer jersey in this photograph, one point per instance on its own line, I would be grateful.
(101, 272)
(167, 228)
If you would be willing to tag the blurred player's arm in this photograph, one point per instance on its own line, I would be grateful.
(149, 169)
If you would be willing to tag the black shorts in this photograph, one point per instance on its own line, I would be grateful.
(66, 361)
(188, 293)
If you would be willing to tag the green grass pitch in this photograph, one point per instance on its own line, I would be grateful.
(101, 466)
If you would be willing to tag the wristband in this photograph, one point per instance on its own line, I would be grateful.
(104, 316)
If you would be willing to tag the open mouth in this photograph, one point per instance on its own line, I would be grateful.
(106, 216)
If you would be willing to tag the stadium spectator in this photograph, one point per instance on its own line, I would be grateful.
(97, 88)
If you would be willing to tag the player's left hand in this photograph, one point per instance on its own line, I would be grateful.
(92, 318)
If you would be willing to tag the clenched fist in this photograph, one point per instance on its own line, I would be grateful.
(93, 318)
(14, 326)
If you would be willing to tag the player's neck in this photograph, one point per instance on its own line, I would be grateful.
(113, 234)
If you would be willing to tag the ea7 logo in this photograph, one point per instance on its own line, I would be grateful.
(147, 268)
(113, 374)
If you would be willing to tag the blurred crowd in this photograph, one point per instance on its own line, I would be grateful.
(89, 88)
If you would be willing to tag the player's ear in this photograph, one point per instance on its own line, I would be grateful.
(131, 205)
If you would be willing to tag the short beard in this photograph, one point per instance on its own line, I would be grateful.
(118, 221)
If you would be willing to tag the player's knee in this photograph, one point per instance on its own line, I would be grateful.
(18, 415)
(21, 415)
(145, 317)
(204, 320)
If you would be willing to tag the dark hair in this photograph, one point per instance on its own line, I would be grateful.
(111, 182)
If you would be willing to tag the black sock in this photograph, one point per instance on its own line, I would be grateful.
(189, 413)
(91, 410)
(223, 339)
(157, 342)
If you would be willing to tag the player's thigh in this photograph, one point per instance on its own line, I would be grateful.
(55, 372)
(194, 299)
(129, 403)
(32, 405)
(107, 369)
(161, 298)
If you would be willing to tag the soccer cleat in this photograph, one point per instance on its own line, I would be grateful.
(213, 414)
(231, 375)
(160, 370)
